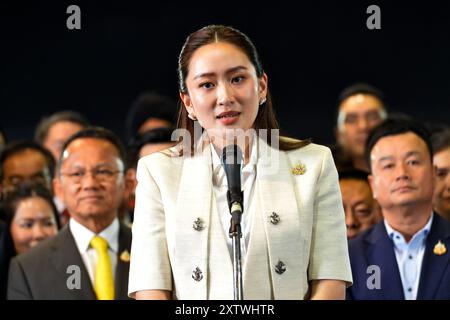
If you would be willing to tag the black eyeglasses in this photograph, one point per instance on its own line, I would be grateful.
(100, 175)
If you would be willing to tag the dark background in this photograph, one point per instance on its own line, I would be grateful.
(310, 50)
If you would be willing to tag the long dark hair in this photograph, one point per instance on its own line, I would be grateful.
(24, 191)
(265, 118)
(12, 200)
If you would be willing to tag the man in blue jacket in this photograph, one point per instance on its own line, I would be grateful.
(405, 256)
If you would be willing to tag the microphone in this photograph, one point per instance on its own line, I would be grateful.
(231, 161)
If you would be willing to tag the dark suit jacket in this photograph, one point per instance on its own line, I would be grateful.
(374, 247)
(41, 273)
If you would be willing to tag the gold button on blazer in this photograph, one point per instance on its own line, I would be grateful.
(310, 238)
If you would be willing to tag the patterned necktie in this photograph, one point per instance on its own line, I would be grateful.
(103, 278)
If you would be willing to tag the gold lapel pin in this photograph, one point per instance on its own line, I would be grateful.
(299, 169)
(439, 248)
(125, 256)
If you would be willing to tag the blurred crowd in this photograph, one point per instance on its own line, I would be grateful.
(75, 181)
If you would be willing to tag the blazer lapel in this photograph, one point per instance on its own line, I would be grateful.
(123, 263)
(433, 265)
(381, 253)
(276, 189)
(64, 254)
(219, 259)
(193, 204)
(256, 263)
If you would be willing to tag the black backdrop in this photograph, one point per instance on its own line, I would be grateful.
(310, 50)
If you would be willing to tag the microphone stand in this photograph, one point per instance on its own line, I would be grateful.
(235, 198)
(235, 233)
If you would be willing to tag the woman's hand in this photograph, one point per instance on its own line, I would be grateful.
(327, 290)
(153, 295)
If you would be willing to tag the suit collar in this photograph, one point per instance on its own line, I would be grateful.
(433, 265)
(380, 252)
(440, 227)
(123, 262)
(83, 235)
(64, 253)
(398, 239)
(276, 187)
(378, 233)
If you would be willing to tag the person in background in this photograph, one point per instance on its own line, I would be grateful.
(151, 141)
(30, 217)
(360, 108)
(53, 131)
(90, 181)
(149, 111)
(405, 256)
(361, 209)
(22, 161)
(441, 160)
(3, 263)
(2, 139)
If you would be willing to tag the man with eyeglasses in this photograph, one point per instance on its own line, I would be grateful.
(89, 258)
(361, 107)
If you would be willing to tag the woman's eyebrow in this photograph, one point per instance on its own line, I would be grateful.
(209, 74)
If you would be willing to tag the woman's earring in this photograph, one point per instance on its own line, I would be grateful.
(192, 117)
(262, 101)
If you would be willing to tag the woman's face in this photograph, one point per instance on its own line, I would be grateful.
(224, 91)
(33, 222)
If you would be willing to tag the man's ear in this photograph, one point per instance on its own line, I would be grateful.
(435, 173)
(57, 188)
(336, 133)
(339, 135)
(130, 182)
(187, 102)
(372, 184)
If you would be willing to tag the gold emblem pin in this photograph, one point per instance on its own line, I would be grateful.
(125, 256)
(299, 169)
(439, 248)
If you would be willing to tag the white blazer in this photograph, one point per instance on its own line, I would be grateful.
(307, 243)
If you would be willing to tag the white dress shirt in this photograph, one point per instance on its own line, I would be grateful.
(409, 256)
(83, 237)
(220, 187)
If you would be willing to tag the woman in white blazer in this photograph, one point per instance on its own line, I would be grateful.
(294, 238)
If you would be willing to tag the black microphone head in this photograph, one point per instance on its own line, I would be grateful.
(231, 161)
(231, 154)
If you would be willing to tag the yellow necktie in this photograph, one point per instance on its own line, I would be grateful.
(103, 278)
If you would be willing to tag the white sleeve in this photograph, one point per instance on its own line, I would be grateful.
(149, 265)
(329, 257)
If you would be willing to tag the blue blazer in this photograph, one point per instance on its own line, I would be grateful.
(374, 247)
